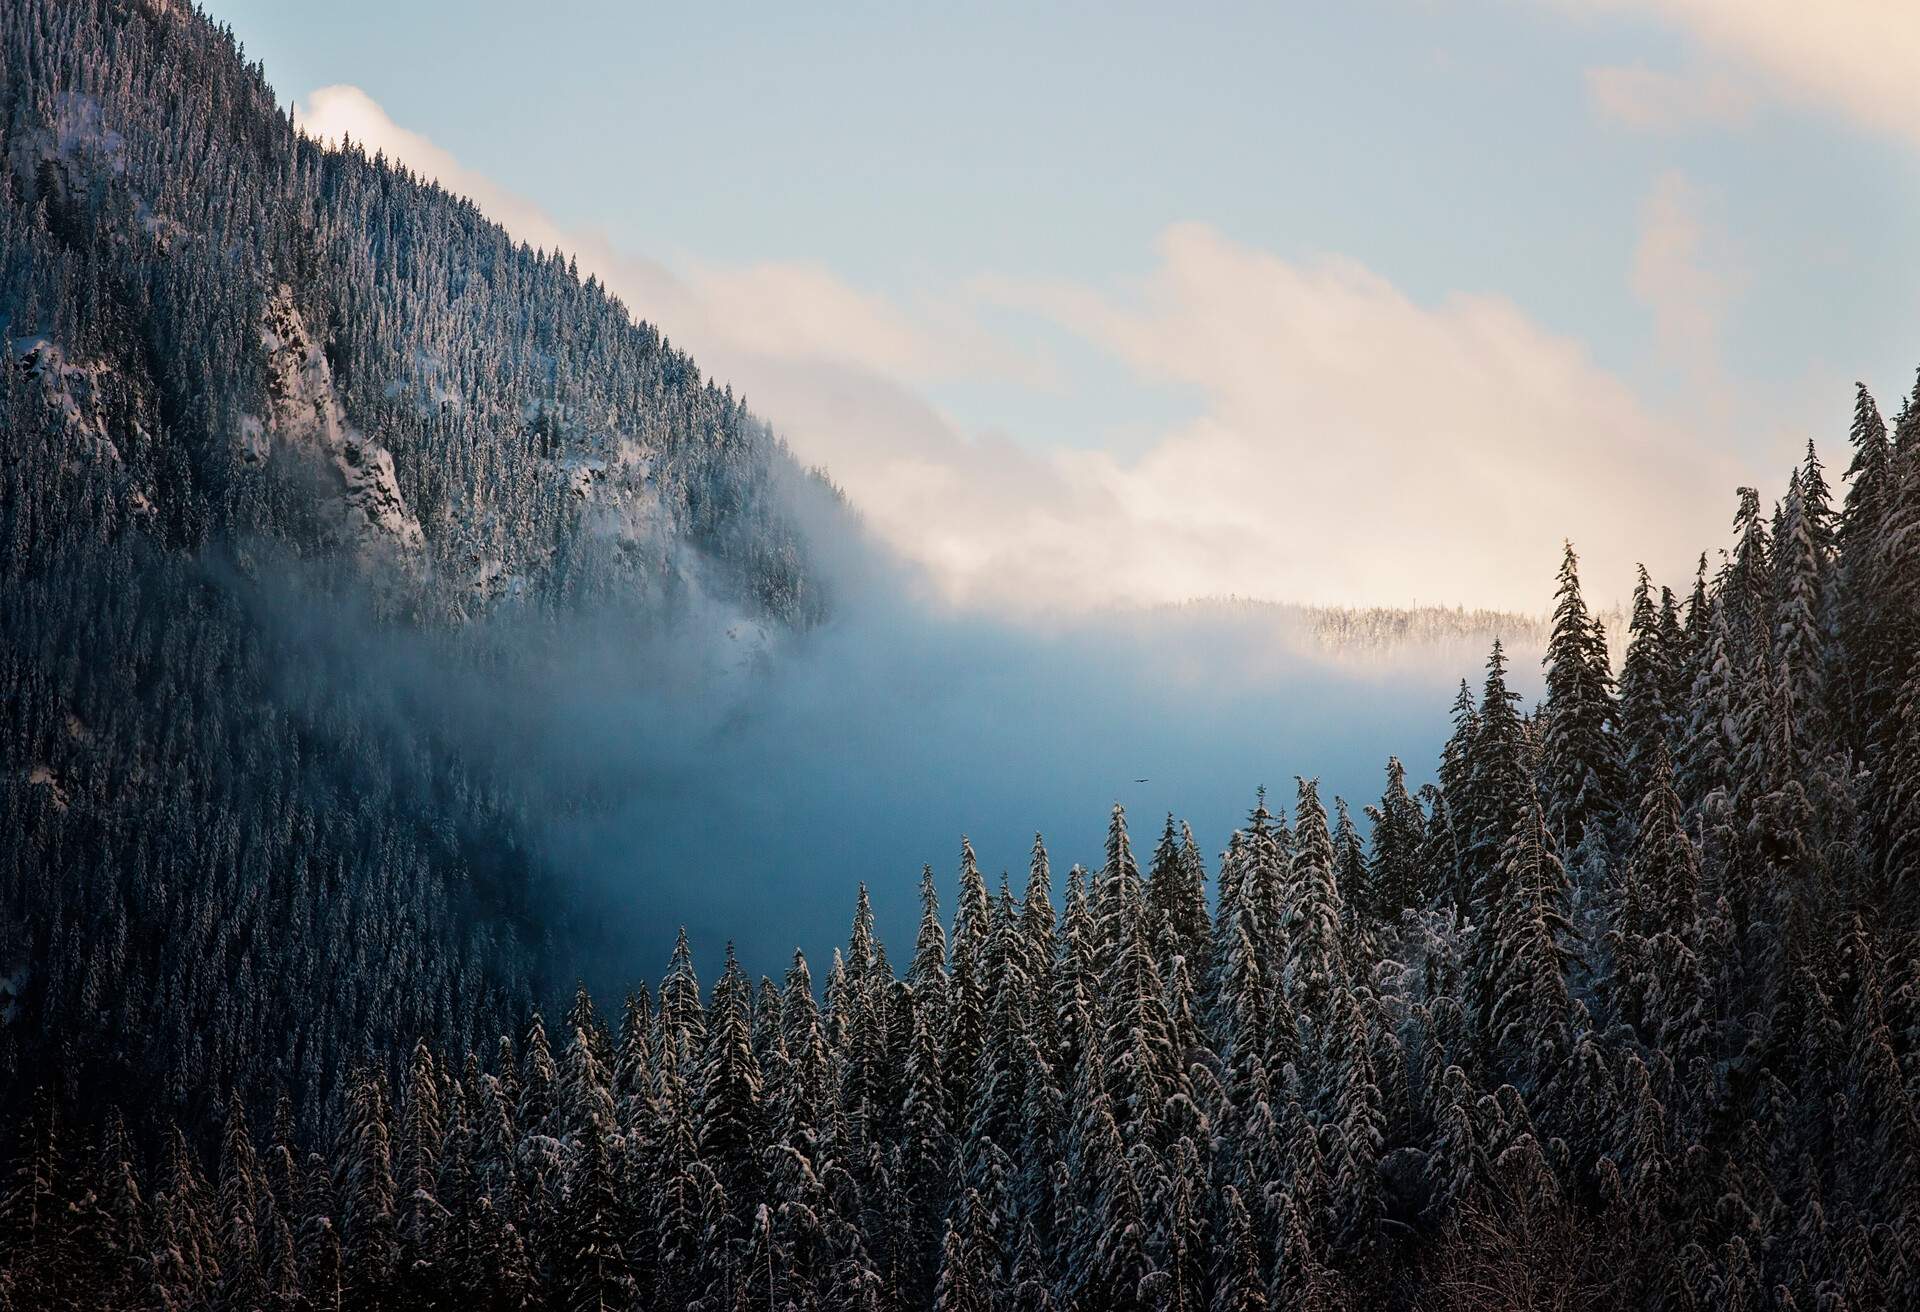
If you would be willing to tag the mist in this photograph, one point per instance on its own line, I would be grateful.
(745, 782)
(862, 751)
(685, 764)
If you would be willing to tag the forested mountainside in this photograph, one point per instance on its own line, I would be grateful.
(262, 402)
(1621, 1012)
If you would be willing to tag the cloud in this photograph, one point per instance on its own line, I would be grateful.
(1355, 444)
(802, 312)
(1682, 275)
(1651, 101)
(1854, 56)
(1349, 444)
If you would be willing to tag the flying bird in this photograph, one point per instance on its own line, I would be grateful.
(1143, 781)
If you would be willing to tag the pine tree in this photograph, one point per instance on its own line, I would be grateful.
(34, 1212)
(367, 1189)
(1136, 1046)
(1239, 1287)
(1042, 950)
(242, 1269)
(539, 1081)
(1529, 1022)
(965, 1285)
(1897, 826)
(1799, 623)
(1870, 479)
(928, 972)
(1401, 877)
(1746, 581)
(683, 1022)
(1713, 737)
(1646, 676)
(1359, 1137)
(809, 1092)
(731, 1116)
(1177, 1220)
(1498, 789)
(929, 1166)
(1315, 960)
(633, 1065)
(1176, 893)
(1359, 904)
(1582, 782)
(966, 1024)
(421, 1215)
(592, 1269)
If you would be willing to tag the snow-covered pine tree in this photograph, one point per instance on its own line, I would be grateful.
(1582, 781)
(1530, 955)
(1401, 880)
(731, 1117)
(1315, 959)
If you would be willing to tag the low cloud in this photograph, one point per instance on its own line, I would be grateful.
(1649, 100)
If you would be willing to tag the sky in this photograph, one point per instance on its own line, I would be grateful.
(1105, 305)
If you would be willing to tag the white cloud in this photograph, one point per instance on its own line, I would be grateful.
(1358, 445)
(1682, 274)
(1652, 101)
(1351, 444)
(1854, 56)
(790, 312)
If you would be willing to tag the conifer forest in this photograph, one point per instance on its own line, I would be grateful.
(1621, 1010)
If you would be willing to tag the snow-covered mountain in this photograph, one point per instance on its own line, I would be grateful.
(289, 440)
(198, 287)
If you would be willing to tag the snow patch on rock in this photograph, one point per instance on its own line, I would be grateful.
(75, 130)
(42, 776)
(305, 416)
(77, 390)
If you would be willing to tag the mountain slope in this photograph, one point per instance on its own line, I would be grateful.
(290, 442)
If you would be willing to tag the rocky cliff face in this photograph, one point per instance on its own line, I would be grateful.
(360, 495)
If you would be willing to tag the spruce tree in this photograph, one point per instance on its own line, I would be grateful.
(1239, 1286)
(1531, 953)
(1315, 960)
(731, 1116)
(1400, 876)
(367, 1189)
(1646, 676)
(1582, 780)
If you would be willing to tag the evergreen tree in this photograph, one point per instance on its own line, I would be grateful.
(1582, 782)
(592, 1269)
(370, 1247)
(966, 1026)
(731, 1115)
(1315, 961)
(1401, 876)
(1239, 1286)
(1646, 678)
(1176, 894)
(1530, 956)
